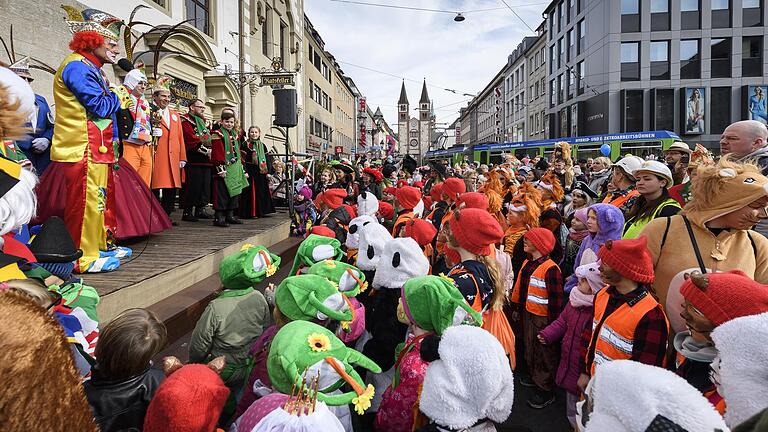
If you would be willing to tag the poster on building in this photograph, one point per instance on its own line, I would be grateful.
(574, 120)
(695, 101)
(756, 107)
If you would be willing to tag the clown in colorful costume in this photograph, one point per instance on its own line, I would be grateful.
(85, 135)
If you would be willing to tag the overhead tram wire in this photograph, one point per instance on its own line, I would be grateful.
(454, 91)
(518, 16)
(413, 8)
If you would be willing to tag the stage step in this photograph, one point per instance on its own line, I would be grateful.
(178, 259)
(181, 310)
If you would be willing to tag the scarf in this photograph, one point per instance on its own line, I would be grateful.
(690, 349)
(577, 236)
(230, 150)
(202, 132)
(260, 158)
(579, 299)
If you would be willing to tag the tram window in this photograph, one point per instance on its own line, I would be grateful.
(588, 151)
(484, 157)
(495, 159)
(523, 153)
(641, 148)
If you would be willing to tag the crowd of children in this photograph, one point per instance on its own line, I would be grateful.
(416, 319)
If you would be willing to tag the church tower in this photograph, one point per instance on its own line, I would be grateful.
(425, 121)
(402, 121)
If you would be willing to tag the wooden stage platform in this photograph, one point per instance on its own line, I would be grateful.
(178, 258)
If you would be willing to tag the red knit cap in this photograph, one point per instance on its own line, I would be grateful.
(390, 190)
(630, 258)
(402, 182)
(475, 230)
(408, 197)
(189, 400)
(376, 174)
(453, 187)
(724, 296)
(332, 198)
(543, 240)
(473, 200)
(322, 230)
(386, 210)
(418, 184)
(420, 230)
(436, 192)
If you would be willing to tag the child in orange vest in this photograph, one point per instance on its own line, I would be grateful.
(538, 297)
(629, 324)
(406, 199)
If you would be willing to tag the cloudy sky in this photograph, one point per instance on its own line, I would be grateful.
(414, 45)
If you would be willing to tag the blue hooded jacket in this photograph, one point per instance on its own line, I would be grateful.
(610, 223)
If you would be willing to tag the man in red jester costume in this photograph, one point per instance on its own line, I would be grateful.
(85, 137)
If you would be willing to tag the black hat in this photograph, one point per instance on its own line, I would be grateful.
(580, 185)
(53, 243)
(542, 165)
(388, 169)
(439, 168)
(409, 164)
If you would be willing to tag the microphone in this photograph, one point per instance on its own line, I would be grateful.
(125, 64)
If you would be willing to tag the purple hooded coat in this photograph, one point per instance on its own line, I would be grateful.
(568, 326)
(610, 221)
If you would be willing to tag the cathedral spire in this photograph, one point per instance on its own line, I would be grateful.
(424, 96)
(403, 98)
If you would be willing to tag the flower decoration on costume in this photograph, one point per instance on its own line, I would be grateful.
(363, 401)
(318, 342)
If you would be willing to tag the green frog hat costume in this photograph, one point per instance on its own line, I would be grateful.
(348, 278)
(311, 297)
(316, 248)
(303, 349)
(251, 265)
(433, 303)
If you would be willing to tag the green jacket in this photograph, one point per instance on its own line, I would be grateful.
(228, 327)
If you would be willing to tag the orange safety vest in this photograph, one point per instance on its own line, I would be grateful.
(618, 202)
(400, 221)
(537, 301)
(613, 336)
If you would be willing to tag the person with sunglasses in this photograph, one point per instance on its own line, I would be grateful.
(709, 300)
